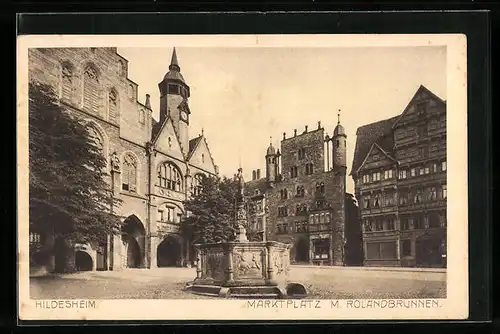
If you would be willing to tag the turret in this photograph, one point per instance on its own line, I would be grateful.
(271, 164)
(339, 145)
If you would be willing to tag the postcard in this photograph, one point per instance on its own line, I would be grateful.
(242, 177)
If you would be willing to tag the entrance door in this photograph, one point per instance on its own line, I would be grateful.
(169, 252)
(133, 253)
(302, 250)
(83, 261)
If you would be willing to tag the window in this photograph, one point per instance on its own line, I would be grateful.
(424, 152)
(142, 117)
(388, 174)
(368, 226)
(402, 174)
(302, 153)
(427, 170)
(197, 185)
(327, 218)
(421, 171)
(162, 215)
(376, 176)
(366, 178)
(309, 169)
(91, 89)
(390, 224)
(376, 201)
(389, 199)
(67, 81)
(169, 177)
(35, 239)
(406, 247)
(129, 173)
(320, 188)
(300, 191)
(95, 138)
(445, 194)
(301, 209)
(403, 198)
(417, 198)
(418, 222)
(320, 204)
(382, 250)
(112, 105)
(293, 172)
(432, 194)
(321, 249)
(405, 224)
(379, 225)
(173, 89)
(443, 166)
(284, 193)
(282, 211)
(366, 203)
(433, 168)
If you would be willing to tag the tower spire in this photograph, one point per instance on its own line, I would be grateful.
(174, 64)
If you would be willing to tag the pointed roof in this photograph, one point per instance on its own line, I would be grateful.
(339, 129)
(174, 72)
(366, 135)
(174, 64)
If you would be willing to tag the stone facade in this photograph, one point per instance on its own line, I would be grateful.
(153, 166)
(399, 170)
(301, 199)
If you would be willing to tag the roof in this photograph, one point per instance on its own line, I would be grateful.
(271, 150)
(193, 143)
(259, 184)
(379, 132)
(174, 72)
(155, 128)
(339, 130)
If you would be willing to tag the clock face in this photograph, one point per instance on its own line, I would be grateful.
(184, 115)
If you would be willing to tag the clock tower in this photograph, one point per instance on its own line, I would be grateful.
(174, 95)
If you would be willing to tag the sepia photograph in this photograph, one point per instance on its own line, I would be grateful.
(251, 173)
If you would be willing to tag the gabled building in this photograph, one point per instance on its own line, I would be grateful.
(301, 200)
(399, 170)
(153, 165)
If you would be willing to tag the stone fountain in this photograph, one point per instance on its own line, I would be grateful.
(242, 268)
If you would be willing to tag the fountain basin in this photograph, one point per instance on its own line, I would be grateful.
(242, 269)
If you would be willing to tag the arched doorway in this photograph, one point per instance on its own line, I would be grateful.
(83, 261)
(133, 237)
(169, 252)
(302, 250)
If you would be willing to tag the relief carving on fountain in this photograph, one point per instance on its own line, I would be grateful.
(247, 264)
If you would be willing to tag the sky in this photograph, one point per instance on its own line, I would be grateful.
(243, 98)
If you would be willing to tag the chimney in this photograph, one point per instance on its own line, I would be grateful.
(258, 174)
(319, 124)
(295, 132)
(254, 175)
(284, 135)
(148, 102)
(305, 131)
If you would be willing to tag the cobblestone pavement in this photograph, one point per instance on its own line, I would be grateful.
(168, 283)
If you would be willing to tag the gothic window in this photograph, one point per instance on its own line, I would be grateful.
(284, 194)
(169, 177)
(302, 153)
(131, 91)
(91, 89)
(129, 173)
(142, 116)
(293, 171)
(309, 168)
(113, 105)
(197, 184)
(96, 138)
(67, 81)
(300, 191)
(123, 68)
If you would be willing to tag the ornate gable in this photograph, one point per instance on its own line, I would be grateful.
(167, 140)
(200, 156)
(377, 157)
